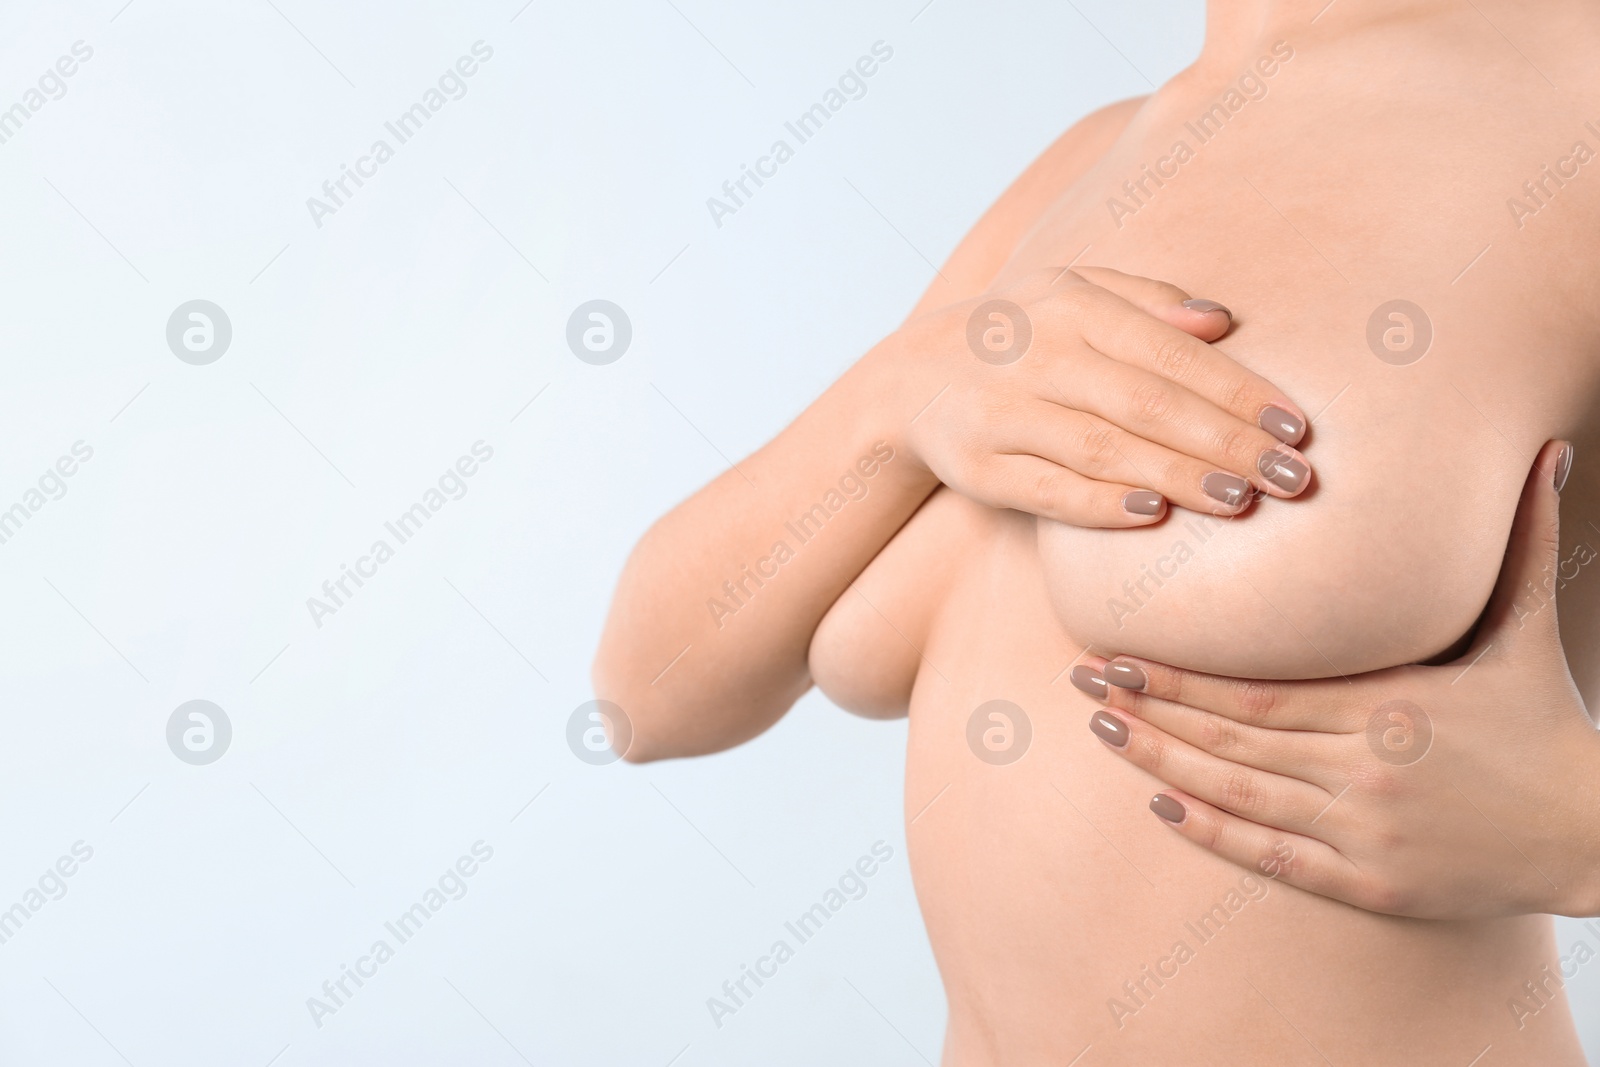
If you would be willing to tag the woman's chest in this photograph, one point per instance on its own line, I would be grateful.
(1435, 346)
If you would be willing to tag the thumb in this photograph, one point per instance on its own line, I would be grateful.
(1524, 600)
(1205, 319)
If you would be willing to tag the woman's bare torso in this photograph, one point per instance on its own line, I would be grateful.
(1065, 918)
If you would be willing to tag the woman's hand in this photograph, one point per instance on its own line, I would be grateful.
(1465, 790)
(1091, 397)
(693, 670)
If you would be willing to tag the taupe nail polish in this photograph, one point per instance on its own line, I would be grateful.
(1088, 679)
(1207, 305)
(1283, 469)
(1285, 426)
(1142, 502)
(1563, 467)
(1168, 808)
(1109, 729)
(1124, 676)
(1226, 489)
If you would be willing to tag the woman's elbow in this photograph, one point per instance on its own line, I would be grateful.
(643, 724)
(650, 723)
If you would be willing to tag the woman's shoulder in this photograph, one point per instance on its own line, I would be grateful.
(987, 247)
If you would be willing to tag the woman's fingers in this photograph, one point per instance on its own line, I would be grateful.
(1097, 449)
(1324, 705)
(1168, 412)
(1318, 758)
(1259, 796)
(1040, 487)
(1294, 859)
(1162, 418)
(1126, 333)
(1205, 319)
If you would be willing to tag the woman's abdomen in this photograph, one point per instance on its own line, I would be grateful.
(1064, 915)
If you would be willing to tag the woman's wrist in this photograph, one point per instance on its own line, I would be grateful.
(897, 383)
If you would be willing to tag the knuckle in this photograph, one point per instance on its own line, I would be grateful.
(1239, 792)
(1239, 443)
(1149, 752)
(1239, 395)
(1256, 701)
(1098, 446)
(1379, 780)
(1166, 683)
(1378, 894)
(1043, 494)
(1183, 474)
(1174, 358)
(1153, 402)
(1280, 860)
(1219, 735)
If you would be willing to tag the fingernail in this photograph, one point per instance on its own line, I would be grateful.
(1283, 469)
(1563, 467)
(1226, 489)
(1142, 502)
(1207, 305)
(1109, 729)
(1285, 426)
(1125, 677)
(1168, 808)
(1088, 679)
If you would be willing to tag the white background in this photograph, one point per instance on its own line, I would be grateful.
(368, 354)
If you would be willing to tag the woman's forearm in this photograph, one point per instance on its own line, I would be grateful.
(706, 644)
(707, 639)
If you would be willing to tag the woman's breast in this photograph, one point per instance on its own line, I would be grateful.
(1388, 559)
(1430, 387)
(1392, 553)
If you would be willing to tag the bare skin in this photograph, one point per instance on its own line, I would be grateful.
(1067, 922)
(1488, 801)
(1045, 883)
